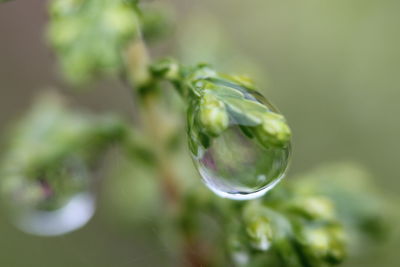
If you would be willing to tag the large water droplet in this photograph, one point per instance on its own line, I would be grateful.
(57, 202)
(236, 164)
(238, 168)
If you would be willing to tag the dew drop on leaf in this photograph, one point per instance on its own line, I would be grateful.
(240, 162)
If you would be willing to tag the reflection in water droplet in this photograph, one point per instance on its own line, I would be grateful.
(235, 164)
(75, 214)
(238, 168)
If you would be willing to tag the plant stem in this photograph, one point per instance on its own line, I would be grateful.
(153, 124)
(137, 62)
(157, 128)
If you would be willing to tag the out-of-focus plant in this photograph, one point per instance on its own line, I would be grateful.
(239, 143)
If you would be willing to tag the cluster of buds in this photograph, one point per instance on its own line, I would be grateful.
(301, 231)
(232, 101)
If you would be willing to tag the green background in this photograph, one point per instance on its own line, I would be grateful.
(332, 67)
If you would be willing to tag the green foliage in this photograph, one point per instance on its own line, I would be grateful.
(299, 223)
(312, 221)
(49, 144)
(89, 37)
(364, 211)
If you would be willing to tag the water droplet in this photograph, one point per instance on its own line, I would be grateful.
(70, 217)
(238, 162)
(54, 203)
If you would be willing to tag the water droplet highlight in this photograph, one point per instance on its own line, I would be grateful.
(242, 149)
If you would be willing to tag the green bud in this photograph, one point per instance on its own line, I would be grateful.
(213, 115)
(318, 241)
(260, 233)
(259, 226)
(314, 207)
(166, 68)
(325, 243)
(273, 130)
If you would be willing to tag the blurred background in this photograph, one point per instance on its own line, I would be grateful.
(332, 67)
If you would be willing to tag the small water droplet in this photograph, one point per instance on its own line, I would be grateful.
(235, 164)
(56, 203)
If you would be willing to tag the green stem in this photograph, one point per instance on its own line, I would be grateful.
(157, 129)
(153, 125)
(137, 63)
